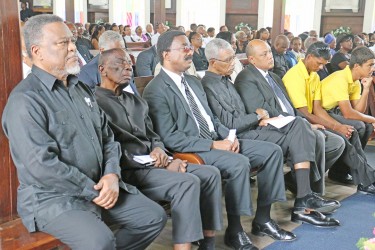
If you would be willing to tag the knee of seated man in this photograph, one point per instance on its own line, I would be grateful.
(241, 163)
(102, 241)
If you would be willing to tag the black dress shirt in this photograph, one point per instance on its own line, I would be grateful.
(61, 145)
(128, 118)
(200, 60)
(226, 103)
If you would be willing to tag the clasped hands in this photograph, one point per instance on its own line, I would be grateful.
(162, 161)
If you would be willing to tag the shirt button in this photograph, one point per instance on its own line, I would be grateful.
(135, 129)
(92, 138)
(82, 116)
(63, 123)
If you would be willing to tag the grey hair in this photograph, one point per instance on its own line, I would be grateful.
(214, 46)
(310, 40)
(33, 27)
(108, 38)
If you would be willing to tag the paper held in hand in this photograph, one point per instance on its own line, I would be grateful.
(146, 159)
(281, 121)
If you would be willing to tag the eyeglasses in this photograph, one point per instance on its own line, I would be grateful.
(186, 49)
(230, 60)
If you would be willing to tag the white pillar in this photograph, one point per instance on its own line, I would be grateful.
(59, 8)
(369, 17)
(265, 13)
(147, 11)
(317, 15)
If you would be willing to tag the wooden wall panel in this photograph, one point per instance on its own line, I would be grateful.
(336, 18)
(241, 11)
(10, 75)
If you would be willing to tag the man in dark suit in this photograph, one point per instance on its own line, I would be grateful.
(146, 62)
(90, 75)
(185, 123)
(261, 89)
(83, 51)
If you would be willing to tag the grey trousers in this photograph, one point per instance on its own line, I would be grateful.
(235, 167)
(139, 219)
(195, 197)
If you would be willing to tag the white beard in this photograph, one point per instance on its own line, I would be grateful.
(73, 70)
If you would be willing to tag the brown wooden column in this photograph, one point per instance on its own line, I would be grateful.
(159, 12)
(10, 75)
(69, 10)
(278, 18)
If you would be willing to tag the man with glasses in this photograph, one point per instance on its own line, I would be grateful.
(67, 161)
(194, 191)
(184, 121)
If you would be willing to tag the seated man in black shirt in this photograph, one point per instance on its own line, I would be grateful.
(193, 190)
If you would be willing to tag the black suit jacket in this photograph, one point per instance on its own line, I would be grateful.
(146, 62)
(172, 117)
(85, 53)
(256, 93)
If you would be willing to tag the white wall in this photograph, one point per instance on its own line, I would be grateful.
(369, 17)
(59, 8)
(300, 19)
(80, 11)
(265, 13)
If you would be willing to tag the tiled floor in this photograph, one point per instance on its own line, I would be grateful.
(280, 213)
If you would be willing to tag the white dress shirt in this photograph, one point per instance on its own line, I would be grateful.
(177, 80)
(154, 38)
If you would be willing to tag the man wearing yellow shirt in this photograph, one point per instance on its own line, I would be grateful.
(304, 88)
(341, 93)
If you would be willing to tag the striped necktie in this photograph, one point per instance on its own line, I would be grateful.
(279, 93)
(204, 131)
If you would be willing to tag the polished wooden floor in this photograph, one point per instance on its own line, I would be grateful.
(280, 213)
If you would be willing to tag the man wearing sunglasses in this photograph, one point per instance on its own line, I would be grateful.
(184, 121)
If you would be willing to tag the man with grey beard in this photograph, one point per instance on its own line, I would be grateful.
(67, 160)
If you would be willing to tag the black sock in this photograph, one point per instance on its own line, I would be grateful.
(208, 243)
(303, 182)
(262, 214)
(234, 224)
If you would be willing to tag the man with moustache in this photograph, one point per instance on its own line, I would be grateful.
(226, 104)
(185, 123)
(67, 161)
(194, 191)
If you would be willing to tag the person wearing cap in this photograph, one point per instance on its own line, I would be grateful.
(331, 41)
(342, 56)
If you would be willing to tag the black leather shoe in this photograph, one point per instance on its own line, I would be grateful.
(366, 190)
(314, 218)
(290, 183)
(272, 230)
(240, 241)
(346, 179)
(316, 203)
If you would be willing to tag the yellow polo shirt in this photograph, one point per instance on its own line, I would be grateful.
(302, 88)
(339, 86)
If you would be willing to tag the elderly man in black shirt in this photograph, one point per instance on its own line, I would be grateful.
(67, 161)
(279, 49)
(194, 191)
(295, 139)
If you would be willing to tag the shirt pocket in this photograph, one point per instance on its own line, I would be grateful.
(62, 129)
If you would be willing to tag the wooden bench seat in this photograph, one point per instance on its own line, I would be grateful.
(13, 235)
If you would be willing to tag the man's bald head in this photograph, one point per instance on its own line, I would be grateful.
(281, 44)
(259, 54)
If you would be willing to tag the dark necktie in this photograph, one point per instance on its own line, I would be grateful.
(204, 131)
(279, 93)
